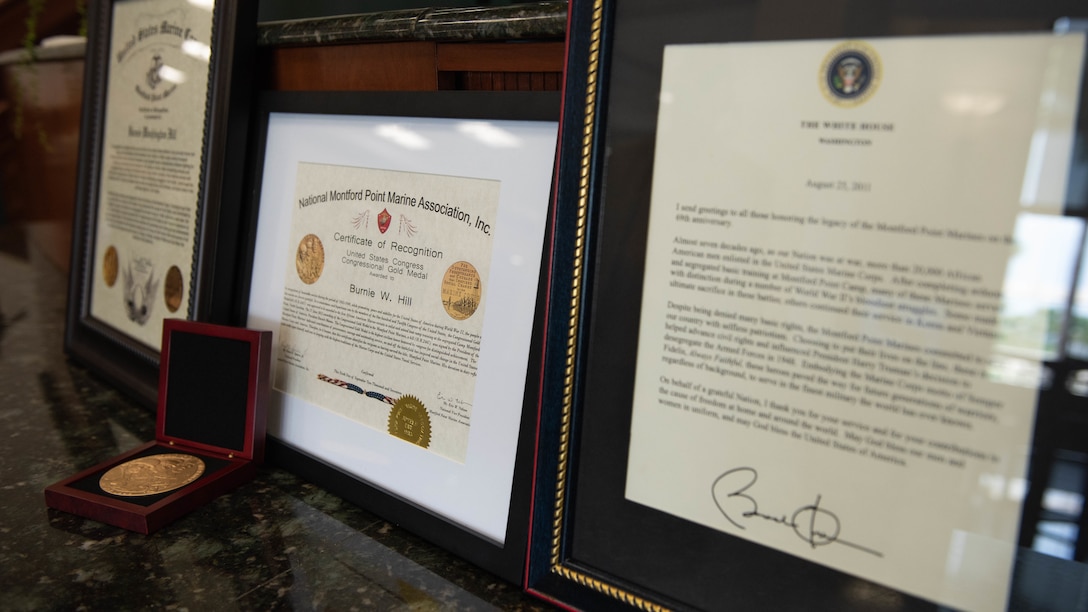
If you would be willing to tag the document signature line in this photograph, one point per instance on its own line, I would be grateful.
(812, 523)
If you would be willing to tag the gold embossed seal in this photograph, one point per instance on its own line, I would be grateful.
(408, 420)
(152, 474)
(310, 259)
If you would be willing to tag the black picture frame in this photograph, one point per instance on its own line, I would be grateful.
(507, 558)
(107, 350)
(591, 548)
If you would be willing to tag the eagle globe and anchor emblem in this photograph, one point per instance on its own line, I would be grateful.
(154, 75)
(850, 74)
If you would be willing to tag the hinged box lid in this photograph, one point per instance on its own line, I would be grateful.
(214, 388)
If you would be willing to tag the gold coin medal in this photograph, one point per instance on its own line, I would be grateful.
(110, 265)
(152, 474)
(173, 289)
(310, 259)
(461, 290)
(409, 421)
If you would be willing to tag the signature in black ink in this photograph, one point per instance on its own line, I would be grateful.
(289, 351)
(455, 400)
(813, 524)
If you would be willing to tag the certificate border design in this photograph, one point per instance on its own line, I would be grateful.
(432, 522)
(122, 360)
(556, 562)
(576, 285)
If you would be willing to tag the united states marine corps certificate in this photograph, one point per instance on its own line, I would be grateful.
(384, 297)
(153, 139)
(836, 357)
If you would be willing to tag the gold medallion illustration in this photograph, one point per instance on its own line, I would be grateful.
(152, 474)
(173, 289)
(110, 266)
(310, 259)
(461, 290)
(408, 420)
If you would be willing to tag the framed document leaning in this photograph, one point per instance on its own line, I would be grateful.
(397, 254)
(166, 93)
(823, 342)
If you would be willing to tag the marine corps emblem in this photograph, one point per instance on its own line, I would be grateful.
(384, 219)
(154, 75)
(850, 74)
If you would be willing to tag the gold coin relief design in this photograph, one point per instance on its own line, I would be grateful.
(310, 259)
(173, 289)
(461, 290)
(152, 474)
(110, 265)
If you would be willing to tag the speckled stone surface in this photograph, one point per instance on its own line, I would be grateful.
(277, 543)
(540, 20)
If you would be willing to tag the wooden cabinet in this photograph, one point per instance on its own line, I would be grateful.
(38, 165)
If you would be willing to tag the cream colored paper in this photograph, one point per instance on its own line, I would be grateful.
(391, 304)
(153, 139)
(822, 363)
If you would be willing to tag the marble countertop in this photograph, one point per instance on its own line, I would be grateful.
(530, 21)
(277, 543)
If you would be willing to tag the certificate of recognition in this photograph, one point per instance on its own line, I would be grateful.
(384, 298)
(826, 355)
(397, 262)
(153, 138)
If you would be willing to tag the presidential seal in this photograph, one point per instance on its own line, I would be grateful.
(461, 290)
(310, 259)
(151, 474)
(850, 74)
(173, 288)
(409, 421)
(110, 266)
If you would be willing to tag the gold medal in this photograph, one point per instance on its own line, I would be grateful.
(461, 290)
(173, 289)
(310, 259)
(152, 474)
(408, 420)
(109, 266)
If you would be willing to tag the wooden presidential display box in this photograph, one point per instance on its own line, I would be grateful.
(209, 436)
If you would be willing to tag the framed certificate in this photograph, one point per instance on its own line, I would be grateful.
(819, 337)
(398, 256)
(166, 93)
